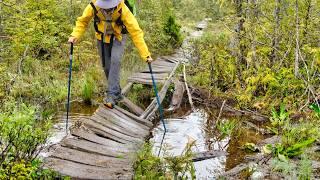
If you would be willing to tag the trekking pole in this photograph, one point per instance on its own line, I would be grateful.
(69, 85)
(159, 106)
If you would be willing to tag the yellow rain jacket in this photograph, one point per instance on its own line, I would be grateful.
(123, 12)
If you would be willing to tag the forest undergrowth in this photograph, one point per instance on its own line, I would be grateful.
(264, 56)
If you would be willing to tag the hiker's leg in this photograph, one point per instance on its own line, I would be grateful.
(114, 73)
(107, 55)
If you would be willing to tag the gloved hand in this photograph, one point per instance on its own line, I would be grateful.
(72, 40)
(149, 59)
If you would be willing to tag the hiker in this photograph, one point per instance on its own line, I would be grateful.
(112, 19)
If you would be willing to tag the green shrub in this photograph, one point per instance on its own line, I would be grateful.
(88, 89)
(22, 136)
(172, 29)
(148, 166)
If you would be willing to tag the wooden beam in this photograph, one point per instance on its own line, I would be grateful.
(134, 117)
(126, 88)
(133, 107)
(91, 158)
(82, 171)
(92, 137)
(151, 109)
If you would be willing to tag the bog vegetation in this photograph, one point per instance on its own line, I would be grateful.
(263, 54)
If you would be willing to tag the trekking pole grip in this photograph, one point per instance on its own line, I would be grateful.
(71, 49)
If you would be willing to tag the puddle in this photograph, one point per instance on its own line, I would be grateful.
(58, 131)
(182, 131)
(192, 127)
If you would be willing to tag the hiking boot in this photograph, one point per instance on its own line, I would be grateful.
(112, 100)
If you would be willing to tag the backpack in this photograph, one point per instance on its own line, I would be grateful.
(129, 3)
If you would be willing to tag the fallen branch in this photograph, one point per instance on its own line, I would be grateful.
(22, 59)
(187, 88)
(200, 156)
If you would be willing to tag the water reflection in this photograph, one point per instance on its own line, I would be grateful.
(180, 132)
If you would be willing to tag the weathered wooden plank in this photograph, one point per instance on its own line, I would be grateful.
(128, 119)
(151, 109)
(177, 96)
(168, 60)
(114, 123)
(82, 171)
(158, 66)
(123, 120)
(133, 107)
(158, 70)
(164, 63)
(126, 88)
(91, 158)
(91, 136)
(171, 58)
(145, 81)
(148, 76)
(112, 134)
(87, 146)
(134, 117)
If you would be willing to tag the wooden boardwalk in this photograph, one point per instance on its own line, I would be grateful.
(104, 145)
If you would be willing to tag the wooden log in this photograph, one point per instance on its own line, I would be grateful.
(236, 170)
(92, 137)
(133, 107)
(82, 171)
(187, 87)
(126, 88)
(200, 156)
(177, 96)
(134, 117)
(90, 147)
(112, 134)
(91, 158)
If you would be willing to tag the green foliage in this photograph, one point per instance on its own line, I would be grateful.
(305, 168)
(225, 128)
(88, 89)
(248, 65)
(279, 120)
(316, 108)
(302, 170)
(148, 166)
(182, 166)
(22, 136)
(172, 29)
(285, 167)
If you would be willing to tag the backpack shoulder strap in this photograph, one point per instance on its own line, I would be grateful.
(96, 18)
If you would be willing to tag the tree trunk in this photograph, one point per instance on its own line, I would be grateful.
(296, 61)
(276, 33)
(240, 31)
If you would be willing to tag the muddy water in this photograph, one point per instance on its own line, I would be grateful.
(58, 132)
(193, 127)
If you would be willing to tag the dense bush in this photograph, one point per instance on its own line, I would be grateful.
(22, 136)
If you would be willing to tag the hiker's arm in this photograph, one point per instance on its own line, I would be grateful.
(82, 22)
(135, 32)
